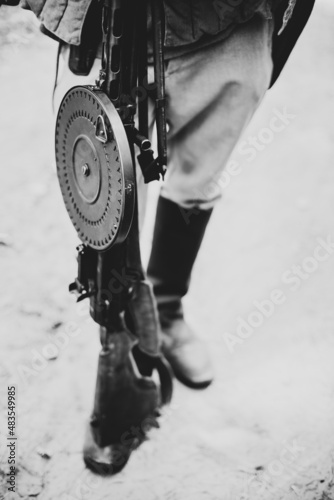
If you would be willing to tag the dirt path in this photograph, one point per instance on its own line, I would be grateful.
(265, 429)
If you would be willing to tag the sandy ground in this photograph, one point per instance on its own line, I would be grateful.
(264, 430)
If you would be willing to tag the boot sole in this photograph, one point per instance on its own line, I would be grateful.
(189, 383)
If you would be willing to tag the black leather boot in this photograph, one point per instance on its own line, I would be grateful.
(177, 237)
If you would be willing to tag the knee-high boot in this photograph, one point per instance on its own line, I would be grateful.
(176, 241)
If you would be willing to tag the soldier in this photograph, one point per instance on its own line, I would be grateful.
(221, 57)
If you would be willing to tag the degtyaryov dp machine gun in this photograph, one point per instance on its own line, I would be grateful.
(95, 154)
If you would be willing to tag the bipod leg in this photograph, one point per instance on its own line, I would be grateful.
(142, 320)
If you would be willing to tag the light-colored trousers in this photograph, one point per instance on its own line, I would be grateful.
(211, 96)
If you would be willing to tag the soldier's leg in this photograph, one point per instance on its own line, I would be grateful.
(212, 94)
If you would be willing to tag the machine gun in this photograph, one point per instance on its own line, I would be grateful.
(95, 142)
